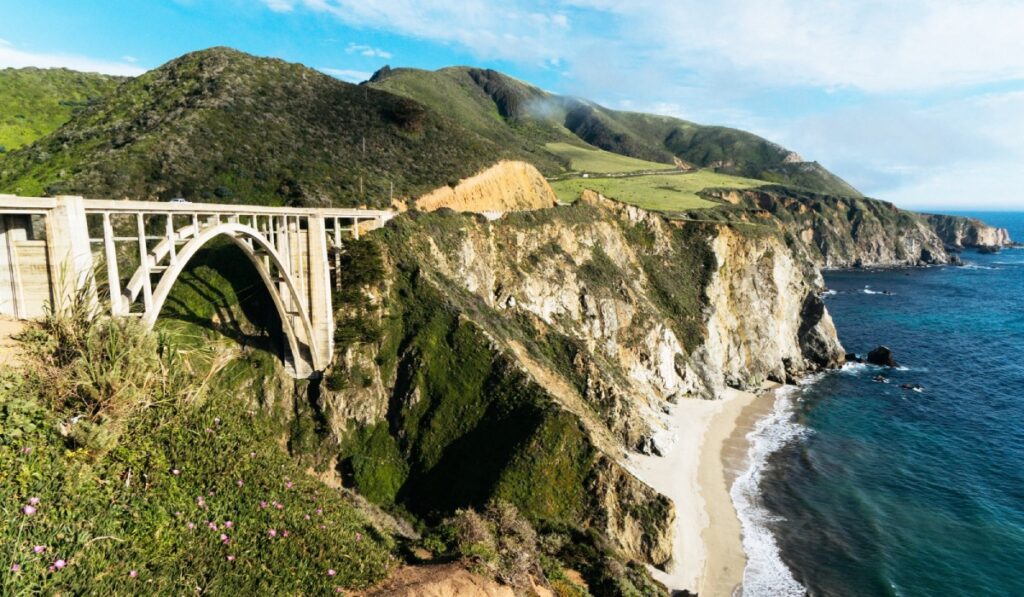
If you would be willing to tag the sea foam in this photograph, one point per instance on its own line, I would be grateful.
(766, 573)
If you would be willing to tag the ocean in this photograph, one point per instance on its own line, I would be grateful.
(859, 487)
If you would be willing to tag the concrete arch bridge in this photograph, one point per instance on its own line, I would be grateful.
(50, 249)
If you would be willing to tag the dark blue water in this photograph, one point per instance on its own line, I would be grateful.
(894, 492)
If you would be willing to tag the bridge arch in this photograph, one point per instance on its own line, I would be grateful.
(255, 246)
(288, 246)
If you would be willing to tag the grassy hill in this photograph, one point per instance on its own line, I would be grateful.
(662, 192)
(528, 120)
(221, 125)
(35, 102)
(590, 159)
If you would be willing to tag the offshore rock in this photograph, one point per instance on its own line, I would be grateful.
(883, 357)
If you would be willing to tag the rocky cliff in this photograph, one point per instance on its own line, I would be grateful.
(959, 232)
(505, 186)
(522, 358)
(840, 232)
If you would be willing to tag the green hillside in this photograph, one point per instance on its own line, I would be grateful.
(526, 119)
(35, 102)
(662, 192)
(221, 125)
(590, 159)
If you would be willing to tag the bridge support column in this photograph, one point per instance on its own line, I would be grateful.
(321, 311)
(71, 267)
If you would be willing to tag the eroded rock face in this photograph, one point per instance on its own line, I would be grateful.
(960, 232)
(505, 186)
(588, 319)
(843, 232)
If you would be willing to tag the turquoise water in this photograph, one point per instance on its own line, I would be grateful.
(877, 490)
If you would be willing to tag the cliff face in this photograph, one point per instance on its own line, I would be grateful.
(840, 232)
(505, 186)
(959, 232)
(521, 358)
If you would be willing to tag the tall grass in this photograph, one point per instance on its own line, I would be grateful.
(128, 468)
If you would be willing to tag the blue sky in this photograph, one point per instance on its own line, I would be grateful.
(920, 102)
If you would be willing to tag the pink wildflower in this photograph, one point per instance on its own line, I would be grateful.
(133, 573)
(288, 485)
(323, 526)
(272, 533)
(217, 420)
(307, 517)
(359, 536)
(201, 502)
(26, 450)
(15, 567)
(34, 501)
(39, 548)
(320, 511)
(177, 513)
(231, 558)
(279, 506)
(239, 483)
(208, 430)
(284, 533)
(337, 589)
(191, 525)
(263, 505)
(331, 572)
(175, 471)
(252, 454)
(223, 538)
(29, 510)
(59, 564)
(228, 524)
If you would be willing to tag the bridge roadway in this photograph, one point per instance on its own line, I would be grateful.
(55, 249)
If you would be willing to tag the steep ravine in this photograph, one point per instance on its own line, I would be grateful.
(522, 358)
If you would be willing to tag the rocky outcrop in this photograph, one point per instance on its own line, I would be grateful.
(959, 232)
(506, 186)
(523, 357)
(844, 232)
(839, 232)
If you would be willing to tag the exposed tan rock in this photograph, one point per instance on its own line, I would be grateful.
(443, 580)
(505, 186)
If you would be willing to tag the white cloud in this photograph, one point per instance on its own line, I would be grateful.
(130, 59)
(4, 42)
(507, 31)
(368, 51)
(11, 57)
(280, 5)
(352, 76)
(872, 45)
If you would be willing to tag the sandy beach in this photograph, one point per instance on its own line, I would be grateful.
(707, 448)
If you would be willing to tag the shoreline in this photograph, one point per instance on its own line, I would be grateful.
(707, 450)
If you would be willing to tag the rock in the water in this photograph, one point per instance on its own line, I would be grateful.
(913, 386)
(988, 250)
(881, 379)
(852, 357)
(882, 356)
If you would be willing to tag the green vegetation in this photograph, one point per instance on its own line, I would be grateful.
(220, 125)
(589, 159)
(660, 192)
(35, 102)
(527, 119)
(131, 464)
